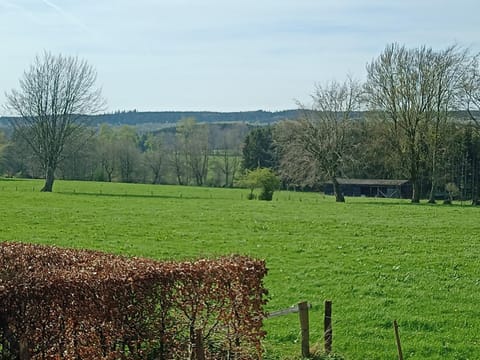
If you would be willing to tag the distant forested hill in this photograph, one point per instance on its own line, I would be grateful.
(166, 118)
(172, 117)
(161, 119)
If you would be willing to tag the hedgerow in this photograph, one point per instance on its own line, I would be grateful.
(80, 304)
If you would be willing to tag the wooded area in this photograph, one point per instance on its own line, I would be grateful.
(122, 154)
(415, 118)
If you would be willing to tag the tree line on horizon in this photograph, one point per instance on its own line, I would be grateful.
(415, 117)
(218, 155)
(156, 120)
(189, 154)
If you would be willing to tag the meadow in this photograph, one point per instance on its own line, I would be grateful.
(376, 259)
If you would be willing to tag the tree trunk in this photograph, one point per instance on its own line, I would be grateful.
(431, 197)
(475, 195)
(476, 184)
(156, 177)
(337, 191)
(414, 175)
(415, 192)
(49, 179)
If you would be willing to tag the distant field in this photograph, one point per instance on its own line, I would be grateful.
(377, 260)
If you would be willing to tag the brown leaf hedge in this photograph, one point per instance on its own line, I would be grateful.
(78, 304)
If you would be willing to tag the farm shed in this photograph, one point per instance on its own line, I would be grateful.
(372, 188)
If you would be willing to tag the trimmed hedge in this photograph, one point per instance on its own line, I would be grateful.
(79, 304)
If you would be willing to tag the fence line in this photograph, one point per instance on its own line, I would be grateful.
(327, 326)
(302, 308)
(291, 310)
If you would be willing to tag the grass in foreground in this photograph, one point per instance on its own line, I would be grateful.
(377, 260)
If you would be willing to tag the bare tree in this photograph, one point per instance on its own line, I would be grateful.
(316, 146)
(3, 146)
(228, 155)
(416, 90)
(126, 139)
(178, 162)
(106, 150)
(154, 156)
(471, 92)
(194, 142)
(450, 68)
(55, 93)
(399, 86)
(471, 102)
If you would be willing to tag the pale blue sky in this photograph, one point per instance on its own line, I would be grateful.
(222, 55)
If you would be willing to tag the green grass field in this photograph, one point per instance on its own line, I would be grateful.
(377, 260)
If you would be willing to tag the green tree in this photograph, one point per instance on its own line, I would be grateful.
(80, 158)
(262, 178)
(19, 160)
(259, 150)
(376, 157)
(54, 95)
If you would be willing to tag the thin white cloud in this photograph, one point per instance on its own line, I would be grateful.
(15, 7)
(68, 16)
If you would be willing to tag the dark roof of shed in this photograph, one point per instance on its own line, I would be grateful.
(372, 182)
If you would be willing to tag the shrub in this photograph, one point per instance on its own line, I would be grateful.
(262, 178)
(452, 191)
(69, 304)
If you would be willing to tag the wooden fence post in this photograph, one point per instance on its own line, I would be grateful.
(303, 314)
(327, 327)
(397, 338)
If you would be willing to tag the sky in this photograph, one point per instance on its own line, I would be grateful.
(223, 55)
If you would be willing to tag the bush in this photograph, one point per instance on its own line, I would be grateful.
(452, 191)
(262, 178)
(266, 195)
(69, 304)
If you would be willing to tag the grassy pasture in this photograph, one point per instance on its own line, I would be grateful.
(377, 260)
